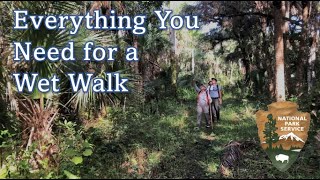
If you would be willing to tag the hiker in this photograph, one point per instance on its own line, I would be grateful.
(215, 92)
(203, 102)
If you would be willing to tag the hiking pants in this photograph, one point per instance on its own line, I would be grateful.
(202, 108)
(215, 109)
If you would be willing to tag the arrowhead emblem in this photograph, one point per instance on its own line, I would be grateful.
(283, 131)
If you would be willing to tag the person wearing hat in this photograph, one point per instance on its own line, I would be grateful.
(215, 92)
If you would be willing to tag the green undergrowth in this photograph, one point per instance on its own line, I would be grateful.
(136, 144)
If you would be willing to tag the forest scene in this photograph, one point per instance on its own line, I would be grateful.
(257, 52)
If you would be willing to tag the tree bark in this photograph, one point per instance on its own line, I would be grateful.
(312, 58)
(311, 74)
(279, 12)
(135, 66)
(289, 88)
(173, 59)
(303, 58)
(192, 63)
(270, 85)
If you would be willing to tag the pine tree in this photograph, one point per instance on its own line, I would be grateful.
(270, 131)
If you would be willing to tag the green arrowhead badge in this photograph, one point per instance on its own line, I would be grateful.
(283, 131)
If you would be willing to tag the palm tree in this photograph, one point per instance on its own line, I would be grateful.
(37, 110)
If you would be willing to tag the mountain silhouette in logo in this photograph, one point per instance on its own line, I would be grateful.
(292, 136)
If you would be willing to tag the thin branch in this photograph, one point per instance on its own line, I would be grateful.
(48, 125)
(153, 63)
(248, 14)
(30, 139)
(221, 16)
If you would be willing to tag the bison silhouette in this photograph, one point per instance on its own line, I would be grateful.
(282, 158)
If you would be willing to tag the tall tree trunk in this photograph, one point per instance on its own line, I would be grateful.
(136, 65)
(174, 72)
(279, 13)
(119, 64)
(258, 70)
(289, 88)
(312, 58)
(173, 58)
(231, 73)
(311, 74)
(303, 54)
(270, 85)
(192, 61)
(246, 63)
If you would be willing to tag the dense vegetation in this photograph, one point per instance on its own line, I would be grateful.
(150, 133)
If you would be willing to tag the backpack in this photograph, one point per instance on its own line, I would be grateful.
(215, 90)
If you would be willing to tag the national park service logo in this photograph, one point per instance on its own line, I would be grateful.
(283, 131)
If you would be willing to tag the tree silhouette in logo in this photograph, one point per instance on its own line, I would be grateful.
(270, 131)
